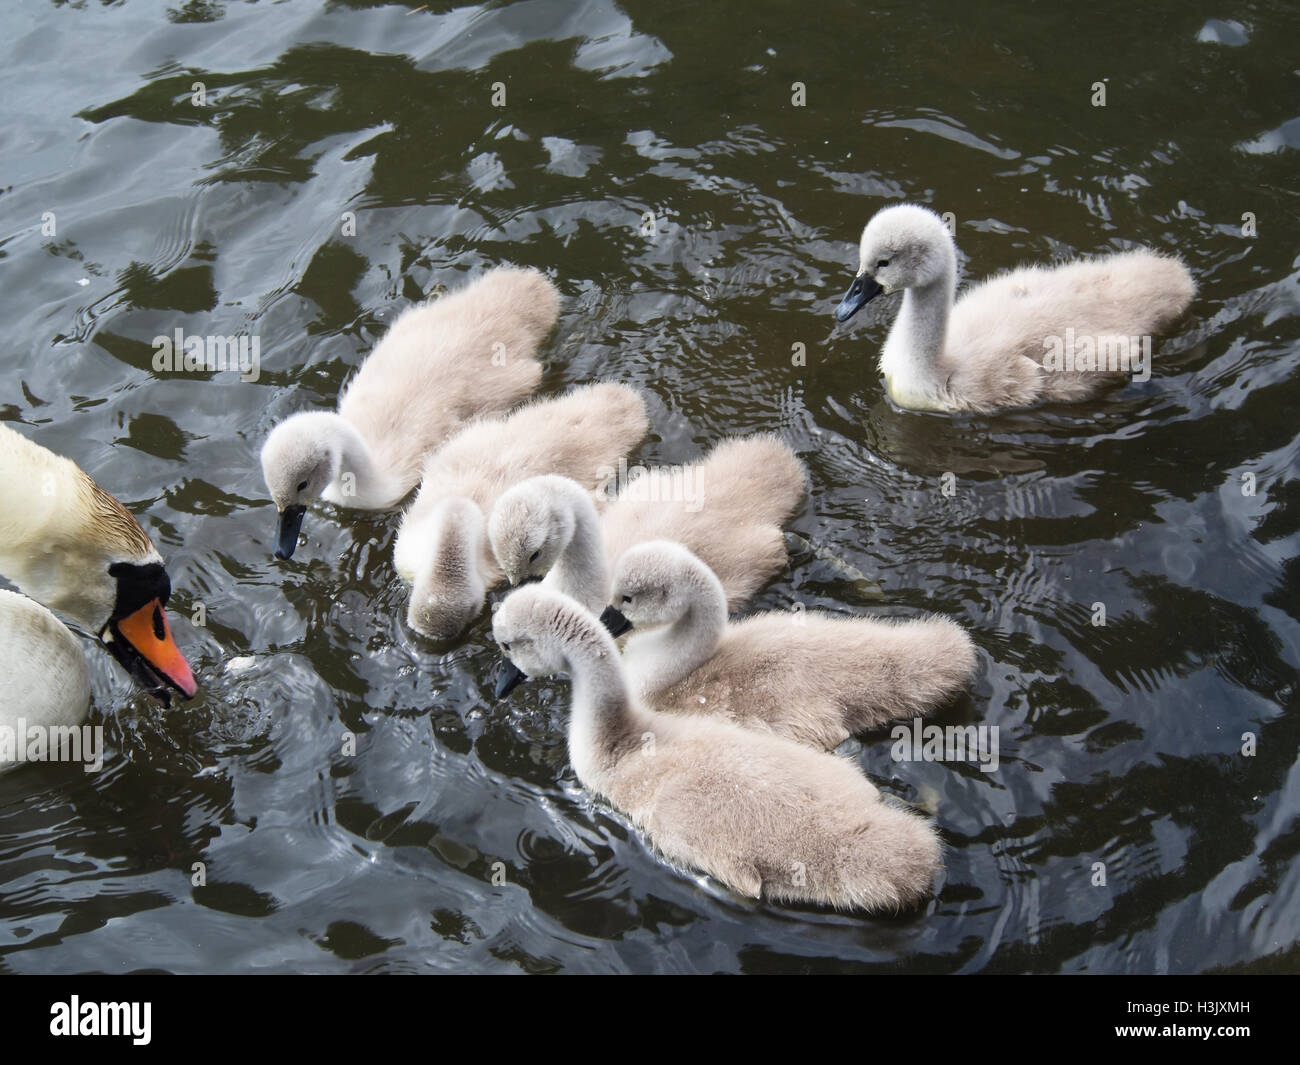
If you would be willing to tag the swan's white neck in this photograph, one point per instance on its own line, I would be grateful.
(582, 570)
(912, 360)
(42, 505)
(658, 660)
(359, 481)
(604, 720)
(59, 532)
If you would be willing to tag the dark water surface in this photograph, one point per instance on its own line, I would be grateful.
(1119, 744)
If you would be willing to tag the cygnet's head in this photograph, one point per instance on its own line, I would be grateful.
(903, 246)
(539, 630)
(449, 589)
(299, 459)
(531, 525)
(655, 583)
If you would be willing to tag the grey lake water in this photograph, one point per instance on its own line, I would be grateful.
(694, 177)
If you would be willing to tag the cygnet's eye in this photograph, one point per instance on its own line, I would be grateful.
(880, 265)
(302, 486)
(627, 599)
(535, 555)
(505, 647)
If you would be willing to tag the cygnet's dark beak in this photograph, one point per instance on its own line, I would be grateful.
(509, 677)
(286, 536)
(614, 621)
(863, 290)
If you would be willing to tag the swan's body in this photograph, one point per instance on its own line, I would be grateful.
(441, 548)
(443, 363)
(803, 675)
(728, 508)
(994, 347)
(47, 681)
(72, 547)
(767, 817)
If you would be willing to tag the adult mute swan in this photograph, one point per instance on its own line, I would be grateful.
(72, 547)
(469, 353)
(767, 817)
(1035, 334)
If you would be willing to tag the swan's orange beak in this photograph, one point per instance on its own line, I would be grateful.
(149, 636)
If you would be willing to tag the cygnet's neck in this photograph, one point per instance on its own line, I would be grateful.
(658, 660)
(913, 357)
(460, 539)
(359, 481)
(453, 541)
(605, 721)
(582, 570)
